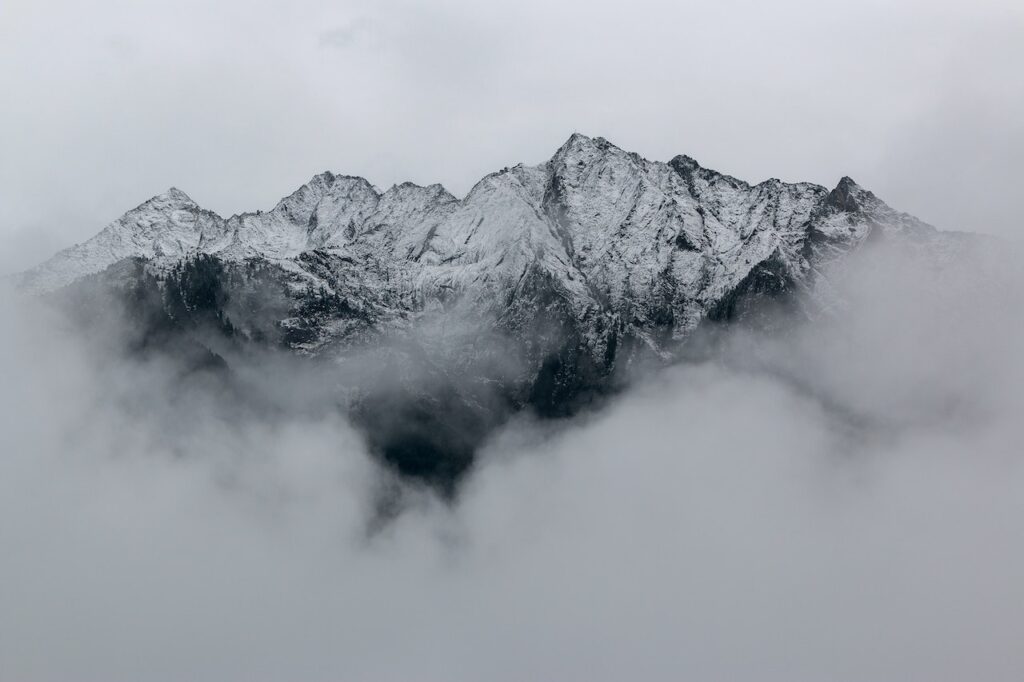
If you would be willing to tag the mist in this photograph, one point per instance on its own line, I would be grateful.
(840, 500)
(111, 102)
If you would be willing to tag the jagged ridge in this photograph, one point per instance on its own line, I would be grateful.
(539, 284)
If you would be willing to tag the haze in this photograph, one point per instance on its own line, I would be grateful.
(238, 103)
(842, 500)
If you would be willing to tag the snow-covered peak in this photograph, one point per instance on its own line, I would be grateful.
(540, 286)
(580, 151)
(850, 197)
(173, 196)
(300, 205)
(173, 199)
(576, 144)
(592, 213)
(166, 227)
(412, 192)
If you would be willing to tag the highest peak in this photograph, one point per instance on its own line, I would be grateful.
(848, 184)
(580, 141)
(849, 196)
(328, 179)
(582, 138)
(324, 178)
(577, 139)
(173, 197)
(581, 149)
(682, 163)
(174, 194)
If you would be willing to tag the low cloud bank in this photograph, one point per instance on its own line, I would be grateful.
(844, 501)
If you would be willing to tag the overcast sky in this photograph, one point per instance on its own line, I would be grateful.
(107, 103)
(853, 511)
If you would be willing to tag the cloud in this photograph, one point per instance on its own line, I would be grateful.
(239, 103)
(841, 502)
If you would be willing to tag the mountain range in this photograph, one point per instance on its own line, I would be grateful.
(441, 316)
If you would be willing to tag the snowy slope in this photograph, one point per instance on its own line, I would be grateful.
(437, 317)
(653, 245)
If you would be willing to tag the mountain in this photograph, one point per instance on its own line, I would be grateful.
(537, 290)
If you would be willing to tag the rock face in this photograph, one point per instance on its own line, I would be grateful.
(535, 290)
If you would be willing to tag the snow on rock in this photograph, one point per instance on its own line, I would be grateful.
(609, 237)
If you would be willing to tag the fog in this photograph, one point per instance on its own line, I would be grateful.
(239, 102)
(841, 501)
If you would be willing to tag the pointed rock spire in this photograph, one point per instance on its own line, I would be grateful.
(848, 196)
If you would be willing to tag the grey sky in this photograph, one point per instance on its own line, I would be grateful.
(108, 103)
(853, 512)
